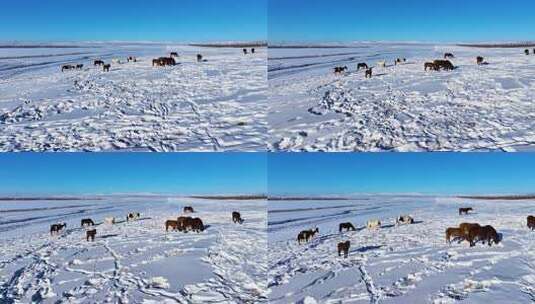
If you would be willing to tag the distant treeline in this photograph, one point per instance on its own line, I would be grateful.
(11, 46)
(47, 198)
(501, 197)
(501, 45)
(230, 197)
(232, 45)
(306, 198)
(312, 46)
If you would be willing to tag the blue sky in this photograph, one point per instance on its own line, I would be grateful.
(92, 173)
(427, 173)
(415, 20)
(133, 20)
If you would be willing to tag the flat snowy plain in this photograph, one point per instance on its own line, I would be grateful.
(217, 105)
(401, 108)
(132, 262)
(399, 264)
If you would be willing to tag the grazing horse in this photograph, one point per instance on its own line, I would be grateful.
(109, 220)
(199, 57)
(197, 225)
(404, 219)
(479, 60)
(171, 223)
(362, 65)
(67, 67)
(456, 233)
(465, 210)
(56, 228)
(87, 221)
(173, 54)
(368, 73)
(484, 234)
(444, 64)
(465, 228)
(340, 70)
(252, 50)
(188, 209)
(531, 222)
(183, 222)
(431, 66)
(347, 226)
(132, 216)
(90, 234)
(343, 247)
(106, 67)
(244, 51)
(306, 235)
(98, 62)
(79, 66)
(236, 217)
(448, 55)
(526, 51)
(373, 224)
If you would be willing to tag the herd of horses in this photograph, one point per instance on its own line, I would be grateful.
(435, 65)
(471, 232)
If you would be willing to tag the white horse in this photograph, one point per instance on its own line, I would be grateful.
(373, 224)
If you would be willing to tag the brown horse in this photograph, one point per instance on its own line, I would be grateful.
(340, 70)
(444, 64)
(431, 66)
(526, 51)
(199, 57)
(244, 51)
(306, 235)
(171, 223)
(368, 73)
(347, 226)
(465, 227)
(173, 54)
(448, 55)
(188, 209)
(531, 222)
(87, 221)
(183, 222)
(197, 225)
(343, 247)
(56, 228)
(79, 66)
(98, 62)
(456, 233)
(90, 234)
(67, 67)
(106, 67)
(362, 65)
(252, 50)
(484, 234)
(465, 210)
(479, 60)
(236, 217)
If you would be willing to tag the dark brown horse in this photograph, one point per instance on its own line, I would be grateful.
(98, 62)
(90, 234)
(87, 222)
(484, 234)
(444, 64)
(188, 209)
(199, 57)
(368, 73)
(183, 223)
(306, 235)
(448, 55)
(173, 54)
(479, 60)
(236, 217)
(106, 67)
(340, 69)
(67, 67)
(362, 65)
(252, 50)
(197, 225)
(79, 66)
(531, 222)
(347, 226)
(454, 233)
(244, 51)
(526, 51)
(56, 228)
(343, 247)
(431, 66)
(465, 210)
(171, 223)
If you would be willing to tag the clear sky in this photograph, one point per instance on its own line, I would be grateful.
(414, 20)
(427, 173)
(133, 20)
(107, 173)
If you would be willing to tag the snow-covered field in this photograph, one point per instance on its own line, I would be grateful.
(399, 264)
(215, 105)
(132, 262)
(401, 108)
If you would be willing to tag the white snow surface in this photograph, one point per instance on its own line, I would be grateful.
(132, 262)
(217, 105)
(401, 108)
(399, 264)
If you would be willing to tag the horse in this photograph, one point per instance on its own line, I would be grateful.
(381, 63)
(199, 57)
(456, 233)
(479, 60)
(67, 67)
(183, 222)
(56, 228)
(404, 219)
(188, 209)
(132, 216)
(373, 224)
(156, 62)
(197, 225)
(444, 64)
(98, 62)
(306, 235)
(252, 51)
(531, 222)
(90, 234)
(109, 220)
(399, 60)
(236, 217)
(106, 67)
(173, 54)
(526, 51)
(362, 65)
(343, 247)
(87, 221)
(448, 55)
(131, 58)
(465, 228)
(171, 223)
(79, 66)
(368, 73)
(431, 66)
(347, 226)
(340, 70)
(244, 51)
(465, 210)
(485, 234)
